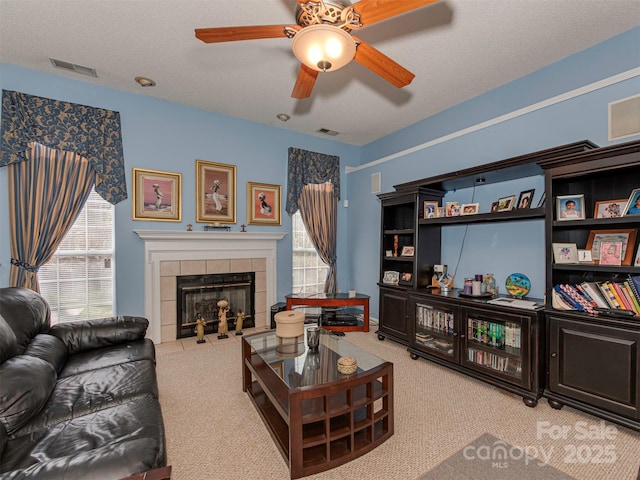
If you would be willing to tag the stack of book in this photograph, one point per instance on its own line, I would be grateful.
(591, 296)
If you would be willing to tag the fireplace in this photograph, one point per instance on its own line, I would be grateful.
(169, 254)
(198, 296)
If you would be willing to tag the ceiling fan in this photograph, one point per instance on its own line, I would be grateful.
(322, 39)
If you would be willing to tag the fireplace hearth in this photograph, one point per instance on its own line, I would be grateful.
(198, 295)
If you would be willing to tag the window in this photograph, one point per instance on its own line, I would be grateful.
(309, 271)
(78, 280)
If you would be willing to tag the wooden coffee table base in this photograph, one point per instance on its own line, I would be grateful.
(317, 428)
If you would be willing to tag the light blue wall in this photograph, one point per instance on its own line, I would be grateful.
(493, 248)
(167, 136)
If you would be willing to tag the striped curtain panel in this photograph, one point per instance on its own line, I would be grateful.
(319, 211)
(46, 194)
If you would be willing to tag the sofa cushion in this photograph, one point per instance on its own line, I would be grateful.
(48, 348)
(8, 342)
(26, 312)
(27, 383)
(108, 356)
(90, 334)
(94, 390)
(109, 444)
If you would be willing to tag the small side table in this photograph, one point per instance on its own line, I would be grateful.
(334, 300)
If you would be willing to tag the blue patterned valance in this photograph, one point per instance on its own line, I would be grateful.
(91, 132)
(310, 167)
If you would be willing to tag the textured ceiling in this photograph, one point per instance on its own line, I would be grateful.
(458, 49)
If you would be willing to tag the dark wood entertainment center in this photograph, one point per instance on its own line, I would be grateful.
(572, 358)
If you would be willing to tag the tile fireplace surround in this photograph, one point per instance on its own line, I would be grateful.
(170, 253)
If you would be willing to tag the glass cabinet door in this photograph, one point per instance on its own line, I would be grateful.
(496, 343)
(436, 332)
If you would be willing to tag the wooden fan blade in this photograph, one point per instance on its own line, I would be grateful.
(382, 65)
(305, 82)
(232, 34)
(372, 11)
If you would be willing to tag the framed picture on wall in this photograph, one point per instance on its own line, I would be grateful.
(263, 204)
(215, 192)
(156, 195)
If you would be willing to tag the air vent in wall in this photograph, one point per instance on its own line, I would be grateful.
(624, 118)
(72, 67)
(375, 182)
(326, 131)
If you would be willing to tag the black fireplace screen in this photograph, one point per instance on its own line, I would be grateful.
(200, 294)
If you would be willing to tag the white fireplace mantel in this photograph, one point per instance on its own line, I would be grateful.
(171, 245)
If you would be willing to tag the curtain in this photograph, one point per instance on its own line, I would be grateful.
(92, 133)
(46, 195)
(310, 167)
(319, 211)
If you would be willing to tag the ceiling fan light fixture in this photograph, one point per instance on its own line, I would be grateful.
(324, 47)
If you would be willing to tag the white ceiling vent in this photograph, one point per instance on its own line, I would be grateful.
(72, 67)
(624, 118)
(326, 131)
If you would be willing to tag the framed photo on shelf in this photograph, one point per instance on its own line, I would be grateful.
(452, 209)
(625, 236)
(505, 204)
(263, 204)
(407, 251)
(391, 278)
(405, 277)
(584, 256)
(439, 212)
(430, 209)
(633, 204)
(542, 199)
(636, 263)
(494, 207)
(157, 195)
(524, 200)
(469, 208)
(610, 253)
(609, 208)
(570, 207)
(215, 192)
(565, 253)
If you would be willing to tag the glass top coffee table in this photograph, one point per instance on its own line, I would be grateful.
(318, 417)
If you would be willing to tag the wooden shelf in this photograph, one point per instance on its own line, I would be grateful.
(512, 215)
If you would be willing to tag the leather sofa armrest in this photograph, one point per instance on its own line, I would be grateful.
(89, 334)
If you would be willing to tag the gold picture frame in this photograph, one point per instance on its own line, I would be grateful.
(263, 204)
(156, 195)
(215, 192)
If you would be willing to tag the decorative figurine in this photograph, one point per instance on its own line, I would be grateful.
(243, 226)
(239, 321)
(223, 328)
(199, 330)
(189, 227)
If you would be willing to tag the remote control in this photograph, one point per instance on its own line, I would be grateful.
(610, 312)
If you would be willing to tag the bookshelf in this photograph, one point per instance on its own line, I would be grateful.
(593, 359)
(499, 345)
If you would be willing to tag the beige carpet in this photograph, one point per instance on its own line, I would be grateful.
(214, 432)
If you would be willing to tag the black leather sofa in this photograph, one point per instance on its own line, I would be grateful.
(77, 400)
